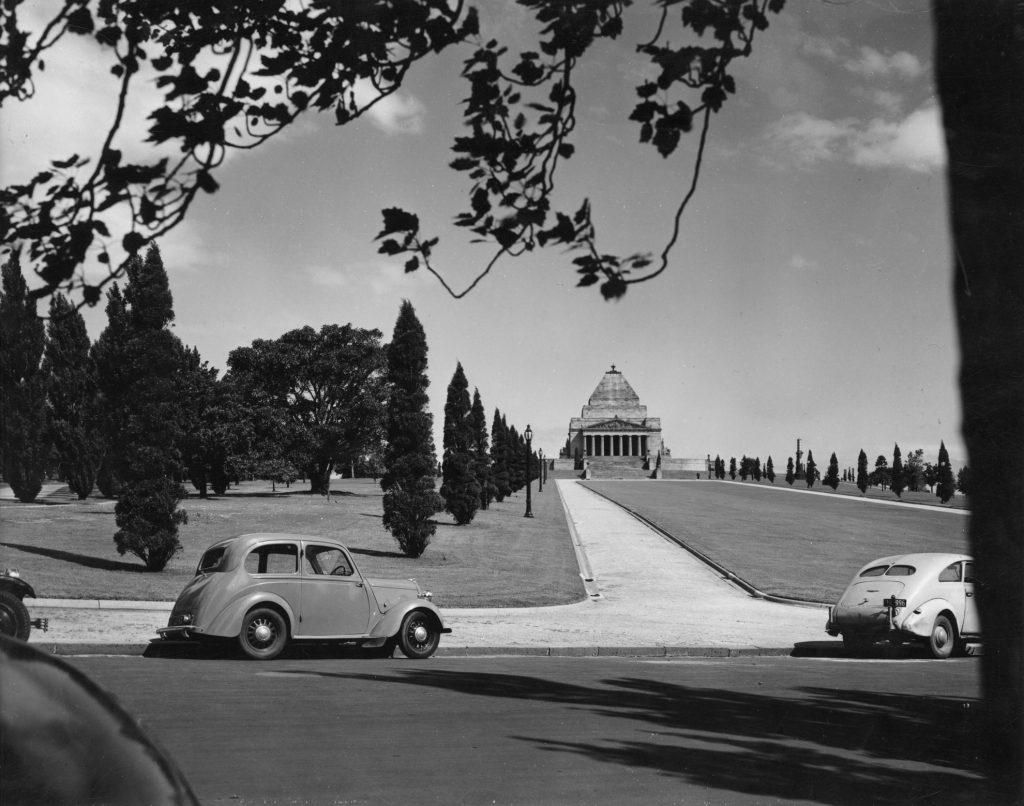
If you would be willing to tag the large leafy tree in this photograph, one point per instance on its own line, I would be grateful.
(145, 386)
(73, 397)
(410, 499)
(460, 487)
(26, 443)
(329, 386)
(214, 423)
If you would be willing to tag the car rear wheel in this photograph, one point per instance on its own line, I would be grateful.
(264, 634)
(14, 618)
(943, 638)
(419, 636)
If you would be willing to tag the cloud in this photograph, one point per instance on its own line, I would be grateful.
(871, 62)
(398, 113)
(914, 143)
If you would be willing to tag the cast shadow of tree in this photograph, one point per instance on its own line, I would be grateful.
(840, 747)
(78, 559)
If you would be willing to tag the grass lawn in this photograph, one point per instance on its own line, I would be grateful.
(801, 545)
(65, 548)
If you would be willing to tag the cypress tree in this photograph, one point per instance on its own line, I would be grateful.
(72, 395)
(109, 355)
(147, 512)
(26, 442)
(946, 486)
(897, 482)
(459, 486)
(410, 499)
(862, 472)
(499, 465)
(790, 474)
(732, 468)
(769, 470)
(812, 469)
(832, 475)
(481, 450)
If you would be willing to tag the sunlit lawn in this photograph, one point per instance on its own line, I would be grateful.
(782, 541)
(786, 542)
(65, 548)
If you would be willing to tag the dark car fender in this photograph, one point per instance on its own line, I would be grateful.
(389, 625)
(18, 586)
(228, 622)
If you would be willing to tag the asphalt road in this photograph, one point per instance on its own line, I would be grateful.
(528, 730)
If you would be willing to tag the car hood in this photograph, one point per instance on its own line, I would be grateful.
(861, 604)
(389, 592)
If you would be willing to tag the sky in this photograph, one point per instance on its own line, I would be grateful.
(809, 295)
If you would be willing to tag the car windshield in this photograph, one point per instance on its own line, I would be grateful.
(212, 561)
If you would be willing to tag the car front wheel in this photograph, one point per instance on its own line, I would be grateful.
(14, 618)
(418, 637)
(943, 638)
(264, 634)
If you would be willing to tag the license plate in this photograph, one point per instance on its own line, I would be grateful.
(894, 602)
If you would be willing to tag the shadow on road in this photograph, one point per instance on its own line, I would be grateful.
(824, 745)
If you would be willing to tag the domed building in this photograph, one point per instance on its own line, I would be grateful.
(614, 435)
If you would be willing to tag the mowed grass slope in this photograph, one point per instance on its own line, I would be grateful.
(65, 548)
(788, 542)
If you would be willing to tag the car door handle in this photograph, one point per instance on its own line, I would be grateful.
(969, 594)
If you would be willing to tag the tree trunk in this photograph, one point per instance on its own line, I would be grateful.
(980, 73)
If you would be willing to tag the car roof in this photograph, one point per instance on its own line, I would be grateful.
(924, 559)
(247, 541)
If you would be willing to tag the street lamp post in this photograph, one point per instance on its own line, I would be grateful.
(529, 436)
(540, 471)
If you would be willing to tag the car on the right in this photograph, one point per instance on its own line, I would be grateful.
(926, 598)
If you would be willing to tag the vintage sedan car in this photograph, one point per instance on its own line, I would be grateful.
(928, 598)
(268, 589)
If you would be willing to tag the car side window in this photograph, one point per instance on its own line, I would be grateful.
(326, 560)
(969, 573)
(951, 573)
(273, 558)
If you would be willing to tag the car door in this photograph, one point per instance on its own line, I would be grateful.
(971, 624)
(956, 586)
(334, 600)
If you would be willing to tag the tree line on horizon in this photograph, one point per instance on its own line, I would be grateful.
(911, 475)
(136, 414)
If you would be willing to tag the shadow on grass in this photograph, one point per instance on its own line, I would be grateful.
(231, 494)
(377, 553)
(78, 559)
(831, 746)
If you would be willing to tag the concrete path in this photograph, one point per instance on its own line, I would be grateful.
(647, 596)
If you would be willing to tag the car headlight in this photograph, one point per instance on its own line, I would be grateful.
(181, 619)
(425, 595)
